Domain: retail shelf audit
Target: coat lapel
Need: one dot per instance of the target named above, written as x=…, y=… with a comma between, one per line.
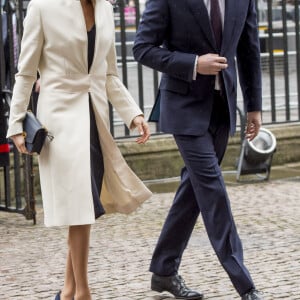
x=77, y=14
x=200, y=13
x=99, y=19
x=78, y=28
x=231, y=9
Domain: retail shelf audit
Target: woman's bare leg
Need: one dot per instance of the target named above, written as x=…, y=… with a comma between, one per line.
x=77, y=264
x=69, y=284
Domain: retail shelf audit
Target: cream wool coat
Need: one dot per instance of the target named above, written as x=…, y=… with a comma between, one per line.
x=55, y=43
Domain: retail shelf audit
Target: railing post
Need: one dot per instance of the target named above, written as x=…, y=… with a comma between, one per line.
x=121, y=4
x=297, y=31
x=29, y=209
x=286, y=60
x=139, y=66
x=271, y=59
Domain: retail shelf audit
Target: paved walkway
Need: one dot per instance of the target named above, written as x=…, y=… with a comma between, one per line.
x=267, y=216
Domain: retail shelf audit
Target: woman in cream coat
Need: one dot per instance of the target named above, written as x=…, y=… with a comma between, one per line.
x=55, y=43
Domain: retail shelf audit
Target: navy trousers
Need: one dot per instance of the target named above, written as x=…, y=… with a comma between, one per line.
x=202, y=189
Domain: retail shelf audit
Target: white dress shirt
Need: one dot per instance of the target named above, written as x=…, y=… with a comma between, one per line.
x=222, y=10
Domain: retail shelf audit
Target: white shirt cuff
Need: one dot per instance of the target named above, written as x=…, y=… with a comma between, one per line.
x=195, y=68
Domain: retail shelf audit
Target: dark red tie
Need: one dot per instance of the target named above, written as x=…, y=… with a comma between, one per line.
x=216, y=21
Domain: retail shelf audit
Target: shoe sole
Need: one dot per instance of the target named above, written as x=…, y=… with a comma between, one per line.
x=156, y=288
x=160, y=290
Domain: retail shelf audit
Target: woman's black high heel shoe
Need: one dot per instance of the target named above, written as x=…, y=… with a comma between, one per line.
x=57, y=297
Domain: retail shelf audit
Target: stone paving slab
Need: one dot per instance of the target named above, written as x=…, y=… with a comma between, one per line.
x=267, y=216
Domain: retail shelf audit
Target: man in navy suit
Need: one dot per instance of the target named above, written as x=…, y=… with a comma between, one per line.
x=197, y=45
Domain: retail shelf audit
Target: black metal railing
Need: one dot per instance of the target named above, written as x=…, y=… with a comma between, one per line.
x=280, y=56
x=16, y=171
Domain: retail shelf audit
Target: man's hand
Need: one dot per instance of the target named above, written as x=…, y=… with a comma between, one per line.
x=253, y=124
x=143, y=128
x=211, y=64
x=19, y=141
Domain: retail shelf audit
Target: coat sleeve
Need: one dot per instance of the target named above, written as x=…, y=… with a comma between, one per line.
x=117, y=93
x=31, y=48
x=248, y=61
x=152, y=34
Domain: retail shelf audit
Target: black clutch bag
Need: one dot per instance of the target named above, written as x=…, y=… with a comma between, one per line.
x=34, y=132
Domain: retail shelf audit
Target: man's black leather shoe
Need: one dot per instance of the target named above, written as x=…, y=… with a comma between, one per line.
x=174, y=285
x=253, y=295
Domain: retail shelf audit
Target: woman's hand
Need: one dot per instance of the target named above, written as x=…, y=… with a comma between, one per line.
x=143, y=128
x=19, y=142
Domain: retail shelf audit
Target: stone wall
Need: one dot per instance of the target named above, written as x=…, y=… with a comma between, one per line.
x=159, y=157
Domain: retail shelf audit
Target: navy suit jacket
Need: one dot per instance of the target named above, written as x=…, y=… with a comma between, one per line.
x=170, y=35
